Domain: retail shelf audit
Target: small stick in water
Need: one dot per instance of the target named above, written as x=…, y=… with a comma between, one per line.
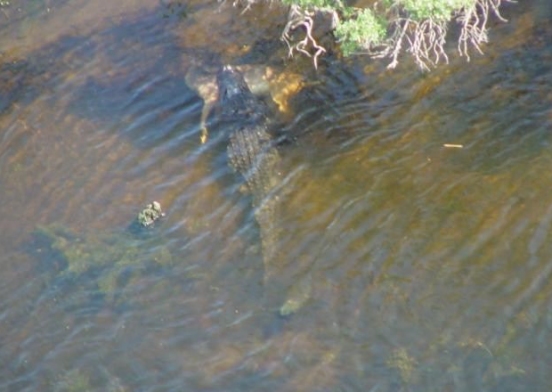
x=447, y=145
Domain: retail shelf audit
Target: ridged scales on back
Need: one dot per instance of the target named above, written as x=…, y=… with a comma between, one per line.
x=252, y=152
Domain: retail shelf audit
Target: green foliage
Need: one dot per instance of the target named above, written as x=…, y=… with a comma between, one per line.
x=361, y=32
x=416, y=9
x=387, y=28
x=438, y=10
x=362, y=28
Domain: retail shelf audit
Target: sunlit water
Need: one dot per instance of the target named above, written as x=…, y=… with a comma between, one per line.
x=430, y=265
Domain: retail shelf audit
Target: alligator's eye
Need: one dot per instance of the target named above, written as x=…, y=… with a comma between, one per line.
x=232, y=88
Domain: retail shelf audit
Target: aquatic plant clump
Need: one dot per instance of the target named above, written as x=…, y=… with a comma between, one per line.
x=388, y=28
x=149, y=215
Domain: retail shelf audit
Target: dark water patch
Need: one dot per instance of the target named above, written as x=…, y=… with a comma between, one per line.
x=20, y=12
x=12, y=83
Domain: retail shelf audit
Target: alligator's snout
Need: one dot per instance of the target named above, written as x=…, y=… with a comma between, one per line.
x=231, y=83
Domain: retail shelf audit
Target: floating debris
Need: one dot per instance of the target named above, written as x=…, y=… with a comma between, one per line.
x=149, y=215
x=448, y=145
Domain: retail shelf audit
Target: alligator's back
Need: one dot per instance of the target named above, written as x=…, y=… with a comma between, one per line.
x=252, y=153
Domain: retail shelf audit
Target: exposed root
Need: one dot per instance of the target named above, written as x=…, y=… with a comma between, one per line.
x=427, y=43
x=245, y=3
x=474, y=24
x=298, y=17
x=426, y=39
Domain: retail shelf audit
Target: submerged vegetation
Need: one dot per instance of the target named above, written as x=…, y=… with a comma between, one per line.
x=387, y=28
x=72, y=381
x=112, y=258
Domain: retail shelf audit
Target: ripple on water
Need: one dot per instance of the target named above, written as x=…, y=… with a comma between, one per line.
x=429, y=266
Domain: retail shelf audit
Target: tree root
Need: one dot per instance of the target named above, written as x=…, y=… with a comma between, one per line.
x=425, y=39
x=299, y=17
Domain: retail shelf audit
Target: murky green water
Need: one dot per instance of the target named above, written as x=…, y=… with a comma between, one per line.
x=429, y=265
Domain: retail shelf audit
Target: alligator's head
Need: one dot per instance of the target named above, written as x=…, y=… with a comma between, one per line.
x=231, y=84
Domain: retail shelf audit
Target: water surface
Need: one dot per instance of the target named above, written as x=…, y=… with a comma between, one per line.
x=430, y=265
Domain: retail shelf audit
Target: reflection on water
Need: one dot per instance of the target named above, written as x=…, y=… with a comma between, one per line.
x=429, y=266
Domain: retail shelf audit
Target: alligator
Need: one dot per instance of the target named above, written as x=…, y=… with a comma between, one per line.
x=253, y=153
